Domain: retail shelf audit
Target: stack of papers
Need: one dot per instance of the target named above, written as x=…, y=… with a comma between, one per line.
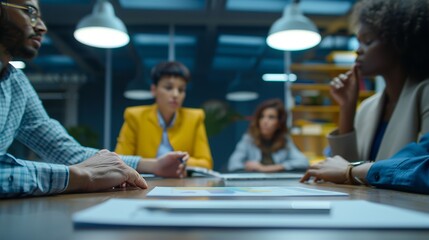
x=239, y=214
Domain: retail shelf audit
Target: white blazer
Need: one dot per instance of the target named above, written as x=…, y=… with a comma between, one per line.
x=409, y=121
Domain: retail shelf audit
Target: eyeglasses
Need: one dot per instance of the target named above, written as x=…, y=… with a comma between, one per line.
x=31, y=11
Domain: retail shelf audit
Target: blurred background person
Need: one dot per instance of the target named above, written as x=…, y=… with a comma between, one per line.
x=266, y=146
x=151, y=131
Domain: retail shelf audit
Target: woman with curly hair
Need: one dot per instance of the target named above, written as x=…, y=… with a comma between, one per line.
x=266, y=147
x=393, y=42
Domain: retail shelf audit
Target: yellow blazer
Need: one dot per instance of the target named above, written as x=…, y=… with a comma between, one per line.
x=141, y=134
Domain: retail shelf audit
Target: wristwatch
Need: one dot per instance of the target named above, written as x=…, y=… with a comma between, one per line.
x=355, y=164
x=356, y=179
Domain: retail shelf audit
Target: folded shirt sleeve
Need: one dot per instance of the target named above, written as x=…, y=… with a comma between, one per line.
x=403, y=173
x=30, y=178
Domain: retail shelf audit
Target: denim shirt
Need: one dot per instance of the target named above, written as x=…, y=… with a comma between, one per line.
x=407, y=170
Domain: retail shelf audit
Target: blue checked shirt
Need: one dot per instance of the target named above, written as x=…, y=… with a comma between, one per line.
x=23, y=117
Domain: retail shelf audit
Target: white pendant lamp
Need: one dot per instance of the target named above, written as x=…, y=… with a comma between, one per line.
x=241, y=91
x=138, y=89
x=137, y=93
x=293, y=31
x=102, y=28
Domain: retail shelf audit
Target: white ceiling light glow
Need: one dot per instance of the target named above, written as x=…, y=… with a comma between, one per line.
x=293, y=31
x=279, y=77
x=102, y=28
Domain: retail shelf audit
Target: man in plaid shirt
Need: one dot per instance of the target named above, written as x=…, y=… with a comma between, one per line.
x=66, y=166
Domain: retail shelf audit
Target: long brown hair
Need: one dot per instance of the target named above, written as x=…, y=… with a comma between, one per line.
x=278, y=139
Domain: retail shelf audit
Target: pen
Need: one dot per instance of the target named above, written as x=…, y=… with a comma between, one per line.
x=181, y=160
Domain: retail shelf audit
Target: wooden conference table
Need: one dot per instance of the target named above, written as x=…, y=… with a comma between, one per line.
x=51, y=217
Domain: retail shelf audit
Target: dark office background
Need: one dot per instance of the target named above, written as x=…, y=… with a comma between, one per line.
x=216, y=39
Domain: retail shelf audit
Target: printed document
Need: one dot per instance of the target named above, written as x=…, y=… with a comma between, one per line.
x=239, y=192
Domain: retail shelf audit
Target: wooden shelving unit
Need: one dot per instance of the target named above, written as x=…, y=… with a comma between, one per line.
x=330, y=68
x=315, y=118
x=320, y=72
x=317, y=109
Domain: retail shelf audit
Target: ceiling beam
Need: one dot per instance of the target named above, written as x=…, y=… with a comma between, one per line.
x=65, y=49
x=207, y=44
x=336, y=25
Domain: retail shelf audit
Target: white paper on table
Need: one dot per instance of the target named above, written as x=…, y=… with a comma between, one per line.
x=260, y=176
x=351, y=214
x=239, y=192
x=204, y=172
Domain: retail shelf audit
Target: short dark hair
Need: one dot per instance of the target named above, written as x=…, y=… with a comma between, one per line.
x=278, y=140
x=168, y=69
x=403, y=25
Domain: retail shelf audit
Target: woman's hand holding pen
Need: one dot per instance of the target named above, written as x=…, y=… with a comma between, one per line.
x=172, y=164
x=182, y=167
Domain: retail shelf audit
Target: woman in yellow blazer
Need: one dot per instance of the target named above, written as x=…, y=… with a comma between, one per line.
x=152, y=131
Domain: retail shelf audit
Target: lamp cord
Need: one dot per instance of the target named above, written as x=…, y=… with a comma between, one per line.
x=171, y=48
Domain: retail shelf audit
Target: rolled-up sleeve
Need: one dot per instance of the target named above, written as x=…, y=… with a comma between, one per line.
x=404, y=174
x=29, y=178
x=131, y=161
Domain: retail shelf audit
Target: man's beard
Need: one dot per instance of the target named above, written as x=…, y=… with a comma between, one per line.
x=13, y=39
